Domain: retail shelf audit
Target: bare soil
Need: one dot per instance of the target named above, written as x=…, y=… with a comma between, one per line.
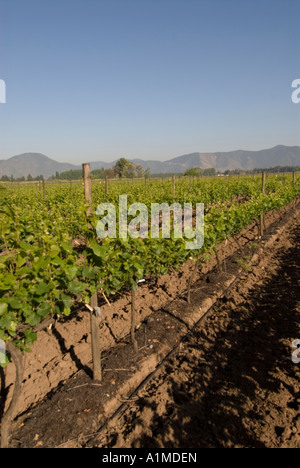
x=232, y=383
x=229, y=381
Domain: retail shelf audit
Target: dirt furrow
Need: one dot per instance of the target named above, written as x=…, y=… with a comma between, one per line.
x=233, y=382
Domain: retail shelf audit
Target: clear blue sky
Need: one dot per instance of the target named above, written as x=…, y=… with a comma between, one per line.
x=95, y=80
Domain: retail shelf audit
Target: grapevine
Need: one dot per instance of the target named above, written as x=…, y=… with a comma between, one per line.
x=50, y=259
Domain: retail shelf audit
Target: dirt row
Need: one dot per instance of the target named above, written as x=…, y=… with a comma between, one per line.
x=232, y=383
x=192, y=380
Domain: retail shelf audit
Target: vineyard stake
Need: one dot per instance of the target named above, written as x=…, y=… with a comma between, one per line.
x=263, y=190
x=174, y=185
x=94, y=299
x=134, y=342
x=96, y=351
x=87, y=187
x=190, y=281
x=106, y=185
x=219, y=263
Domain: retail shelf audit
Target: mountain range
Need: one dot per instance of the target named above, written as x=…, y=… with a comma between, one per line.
x=39, y=164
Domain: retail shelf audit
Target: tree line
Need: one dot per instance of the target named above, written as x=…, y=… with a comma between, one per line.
x=197, y=171
x=124, y=169
x=30, y=178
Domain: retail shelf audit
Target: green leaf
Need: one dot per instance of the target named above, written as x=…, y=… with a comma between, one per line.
x=30, y=337
x=89, y=273
x=33, y=320
x=3, y=308
x=14, y=303
x=67, y=311
x=98, y=250
x=42, y=288
x=77, y=287
x=27, y=247
x=67, y=300
x=67, y=247
x=44, y=309
x=54, y=251
x=41, y=263
x=71, y=272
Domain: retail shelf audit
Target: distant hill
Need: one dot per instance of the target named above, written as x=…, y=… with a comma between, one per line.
x=32, y=163
x=39, y=164
x=245, y=160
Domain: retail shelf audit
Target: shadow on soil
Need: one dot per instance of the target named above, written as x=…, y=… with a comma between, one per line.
x=215, y=406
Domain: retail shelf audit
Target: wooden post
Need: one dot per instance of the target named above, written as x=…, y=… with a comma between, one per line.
x=96, y=351
x=134, y=342
x=94, y=299
x=71, y=186
x=263, y=189
x=106, y=185
x=44, y=189
x=190, y=281
x=174, y=186
x=87, y=181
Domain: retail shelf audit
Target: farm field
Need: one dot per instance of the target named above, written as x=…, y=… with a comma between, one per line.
x=232, y=383
x=51, y=259
x=52, y=264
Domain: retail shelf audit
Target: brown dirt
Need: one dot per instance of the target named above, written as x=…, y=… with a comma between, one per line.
x=231, y=383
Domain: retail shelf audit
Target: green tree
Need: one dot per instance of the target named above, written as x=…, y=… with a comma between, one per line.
x=120, y=167
x=193, y=171
x=124, y=169
x=139, y=171
x=210, y=172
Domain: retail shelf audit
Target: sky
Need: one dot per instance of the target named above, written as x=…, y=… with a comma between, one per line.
x=96, y=80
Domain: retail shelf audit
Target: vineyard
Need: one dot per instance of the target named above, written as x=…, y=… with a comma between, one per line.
x=53, y=264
